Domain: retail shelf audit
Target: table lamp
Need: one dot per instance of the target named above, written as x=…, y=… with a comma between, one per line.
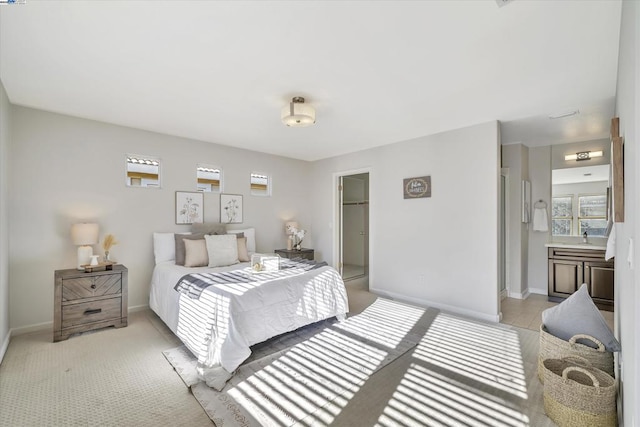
x=83, y=235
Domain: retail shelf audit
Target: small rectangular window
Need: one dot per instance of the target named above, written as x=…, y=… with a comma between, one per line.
x=260, y=184
x=208, y=178
x=592, y=210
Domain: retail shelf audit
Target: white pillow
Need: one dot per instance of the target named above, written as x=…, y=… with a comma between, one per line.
x=222, y=249
x=250, y=234
x=164, y=247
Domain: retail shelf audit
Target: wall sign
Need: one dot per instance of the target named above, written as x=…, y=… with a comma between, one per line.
x=415, y=188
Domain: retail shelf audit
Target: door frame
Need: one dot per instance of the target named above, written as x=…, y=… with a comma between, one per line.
x=337, y=229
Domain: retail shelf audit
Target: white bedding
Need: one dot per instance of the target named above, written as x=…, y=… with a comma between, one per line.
x=226, y=320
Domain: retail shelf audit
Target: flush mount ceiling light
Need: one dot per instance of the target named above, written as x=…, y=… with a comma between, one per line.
x=298, y=114
x=583, y=155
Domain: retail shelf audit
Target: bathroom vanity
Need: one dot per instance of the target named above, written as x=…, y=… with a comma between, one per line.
x=571, y=265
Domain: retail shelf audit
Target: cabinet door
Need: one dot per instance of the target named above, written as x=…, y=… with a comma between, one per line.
x=565, y=277
x=599, y=278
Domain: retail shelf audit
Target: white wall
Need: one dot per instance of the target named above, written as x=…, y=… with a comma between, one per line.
x=440, y=251
x=66, y=169
x=540, y=176
x=5, y=119
x=627, y=281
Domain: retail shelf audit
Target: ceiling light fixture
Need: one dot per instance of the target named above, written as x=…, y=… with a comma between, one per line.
x=583, y=155
x=565, y=114
x=298, y=114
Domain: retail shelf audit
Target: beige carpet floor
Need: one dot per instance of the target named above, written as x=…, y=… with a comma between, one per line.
x=461, y=372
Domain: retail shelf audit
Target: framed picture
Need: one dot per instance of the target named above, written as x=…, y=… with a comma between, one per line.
x=416, y=188
x=230, y=208
x=526, y=201
x=189, y=207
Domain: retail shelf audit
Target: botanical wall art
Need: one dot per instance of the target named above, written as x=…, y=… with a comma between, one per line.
x=189, y=207
x=230, y=208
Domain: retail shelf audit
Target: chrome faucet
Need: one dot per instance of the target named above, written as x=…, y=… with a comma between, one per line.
x=584, y=237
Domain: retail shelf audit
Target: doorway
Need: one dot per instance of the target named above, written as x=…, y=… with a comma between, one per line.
x=353, y=190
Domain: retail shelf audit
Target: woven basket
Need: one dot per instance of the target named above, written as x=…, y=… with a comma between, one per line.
x=552, y=347
x=577, y=395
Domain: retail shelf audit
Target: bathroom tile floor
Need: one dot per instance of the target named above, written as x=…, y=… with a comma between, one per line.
x=527, y=313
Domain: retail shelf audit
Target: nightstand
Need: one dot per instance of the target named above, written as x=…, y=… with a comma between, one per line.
x=86, y=301
x=302, y=253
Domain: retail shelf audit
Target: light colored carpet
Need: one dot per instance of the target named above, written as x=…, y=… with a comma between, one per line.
x=307, y=374
x=112, y=377
x=461, y=373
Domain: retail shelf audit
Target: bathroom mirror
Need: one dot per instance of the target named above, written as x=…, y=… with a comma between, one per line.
x=143, y=171
x=260, y=184
x=208, y=178
x=580, y=201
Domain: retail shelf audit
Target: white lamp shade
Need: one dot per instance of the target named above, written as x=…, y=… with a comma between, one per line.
x=290, y=224
x=84, y=234
x=298, y=114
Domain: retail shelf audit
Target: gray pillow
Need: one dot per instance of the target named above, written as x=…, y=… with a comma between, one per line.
x=180, y=250
x=579, y=315
x=209, y=228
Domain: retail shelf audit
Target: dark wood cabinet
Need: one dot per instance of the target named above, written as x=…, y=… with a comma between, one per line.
x=290, y=253
x=570, y=268
x=84, y=301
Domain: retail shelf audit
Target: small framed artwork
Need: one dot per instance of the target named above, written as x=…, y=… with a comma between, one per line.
x=189, y=207
x=230, y=208
x=416, y=188
x=526, y=201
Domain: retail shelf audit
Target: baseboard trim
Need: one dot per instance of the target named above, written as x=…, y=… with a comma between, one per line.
x=5, y=345
x=49, y=325
x=537, y=291
x=519, y=295
x=444, y=307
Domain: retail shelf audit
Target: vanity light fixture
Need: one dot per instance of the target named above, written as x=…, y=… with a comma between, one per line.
x=583, y=155
x=298, y=114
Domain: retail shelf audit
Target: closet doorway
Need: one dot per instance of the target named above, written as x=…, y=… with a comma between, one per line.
x=353, y=249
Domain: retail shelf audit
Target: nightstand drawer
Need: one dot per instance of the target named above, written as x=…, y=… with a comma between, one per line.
x=89, y=312
x=94, y=286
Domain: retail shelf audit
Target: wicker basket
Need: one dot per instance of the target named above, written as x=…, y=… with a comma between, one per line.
x=552, y=347
x=577, y=395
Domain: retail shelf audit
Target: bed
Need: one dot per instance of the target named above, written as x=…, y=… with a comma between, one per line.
x=221, y=323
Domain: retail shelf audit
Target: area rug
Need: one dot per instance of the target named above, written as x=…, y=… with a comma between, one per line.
x=308, y=375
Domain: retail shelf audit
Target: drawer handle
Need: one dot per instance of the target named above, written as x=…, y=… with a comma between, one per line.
x=93, y=286
x=94, y=311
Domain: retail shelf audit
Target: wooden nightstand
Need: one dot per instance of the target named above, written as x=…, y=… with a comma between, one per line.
x=86, y=301
x=302, y=253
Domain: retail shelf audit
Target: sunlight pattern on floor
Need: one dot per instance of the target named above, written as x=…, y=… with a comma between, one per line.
x=315, y=379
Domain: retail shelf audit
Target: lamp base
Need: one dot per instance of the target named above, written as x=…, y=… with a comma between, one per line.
x=84, y=256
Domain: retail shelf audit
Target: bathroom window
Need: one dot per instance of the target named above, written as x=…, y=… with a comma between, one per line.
x=592, y=211
x=561, y=215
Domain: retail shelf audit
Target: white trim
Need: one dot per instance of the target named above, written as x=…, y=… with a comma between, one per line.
x=537, y=291
x=39, y=327
x=5, y=346
x=519, y=295
x=448, y=308
x=336, y=216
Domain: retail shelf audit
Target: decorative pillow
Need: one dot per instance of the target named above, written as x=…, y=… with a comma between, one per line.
x=222, y=249
x=250, y=234
x=179, y=243
x=195, y=253
x=209, y=228
x=579, y=315
x=164, y=247
x=243, y=255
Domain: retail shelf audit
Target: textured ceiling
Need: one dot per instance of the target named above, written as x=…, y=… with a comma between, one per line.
x=377, y=72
